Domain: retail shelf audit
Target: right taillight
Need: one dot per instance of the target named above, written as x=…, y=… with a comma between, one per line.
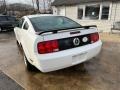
x=48, y=47
x=94, y=37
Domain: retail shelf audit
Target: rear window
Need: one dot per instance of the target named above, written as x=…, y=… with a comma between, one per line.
x=48, y=23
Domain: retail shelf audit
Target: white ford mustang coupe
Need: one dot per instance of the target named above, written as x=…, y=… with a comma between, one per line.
x=52, y=42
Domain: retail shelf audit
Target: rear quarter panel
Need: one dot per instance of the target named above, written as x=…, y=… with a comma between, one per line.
x=29, y=43
x=17, y=33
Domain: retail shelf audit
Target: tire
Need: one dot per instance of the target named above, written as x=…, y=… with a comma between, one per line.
x=28, y=65
x=17, y=42
x=19, y=46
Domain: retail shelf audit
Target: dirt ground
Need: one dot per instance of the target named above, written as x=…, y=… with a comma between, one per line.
x=99, y=73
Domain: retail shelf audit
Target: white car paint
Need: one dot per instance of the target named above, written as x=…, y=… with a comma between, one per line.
x=28, y=39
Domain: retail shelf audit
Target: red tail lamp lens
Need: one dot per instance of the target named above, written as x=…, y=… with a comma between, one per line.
x=48, y=47
x=94, y=37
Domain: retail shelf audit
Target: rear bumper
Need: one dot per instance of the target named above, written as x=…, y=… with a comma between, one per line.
x=67, y=58
x=3, y=28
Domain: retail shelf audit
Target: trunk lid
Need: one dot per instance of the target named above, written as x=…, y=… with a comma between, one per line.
x=63, y=40
x=67, y=34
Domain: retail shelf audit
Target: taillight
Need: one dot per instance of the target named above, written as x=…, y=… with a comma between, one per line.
x=48, y=47
x=94, y=37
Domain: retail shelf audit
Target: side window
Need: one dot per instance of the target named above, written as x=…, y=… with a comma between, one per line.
x=20, y=23
x=92, y=12
x=105, y=12
x=26, y=26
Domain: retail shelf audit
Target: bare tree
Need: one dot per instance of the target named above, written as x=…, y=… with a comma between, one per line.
x=45, y=3
x=49, y=4
x=5, y=7
x=37, y=4
x=33, y=5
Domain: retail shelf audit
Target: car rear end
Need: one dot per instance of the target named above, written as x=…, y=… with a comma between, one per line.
x=61, y=48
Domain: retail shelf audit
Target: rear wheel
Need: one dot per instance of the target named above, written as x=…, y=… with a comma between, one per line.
x=19, y=46
x=17, y=42
x=27, y=64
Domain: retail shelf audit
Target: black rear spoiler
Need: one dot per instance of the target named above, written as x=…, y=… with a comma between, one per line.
x=55, y=31
x=90, y=26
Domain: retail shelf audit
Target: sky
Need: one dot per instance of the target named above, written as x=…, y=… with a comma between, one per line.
x=25, y=2
x=22, y=1
x=19, y=1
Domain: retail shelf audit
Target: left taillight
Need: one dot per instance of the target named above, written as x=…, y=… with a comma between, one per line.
x=48, y=47
x=94, y=37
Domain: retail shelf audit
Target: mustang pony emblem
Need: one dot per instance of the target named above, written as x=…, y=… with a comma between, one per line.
x=76, y=41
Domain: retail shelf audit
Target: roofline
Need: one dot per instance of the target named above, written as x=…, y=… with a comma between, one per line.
x=39, y=15
x=82, y=2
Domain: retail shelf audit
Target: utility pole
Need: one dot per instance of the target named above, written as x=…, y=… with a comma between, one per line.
x=37, y=4
x=5, y=7
x=33, y=5
x=44, y=6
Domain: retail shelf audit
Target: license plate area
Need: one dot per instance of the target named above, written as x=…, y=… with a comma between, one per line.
x=79, y=58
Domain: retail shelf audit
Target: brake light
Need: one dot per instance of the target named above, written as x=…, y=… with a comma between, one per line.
x=48, y=47
x=94, y=37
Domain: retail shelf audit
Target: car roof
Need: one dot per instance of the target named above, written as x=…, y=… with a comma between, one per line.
x=39, y=15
